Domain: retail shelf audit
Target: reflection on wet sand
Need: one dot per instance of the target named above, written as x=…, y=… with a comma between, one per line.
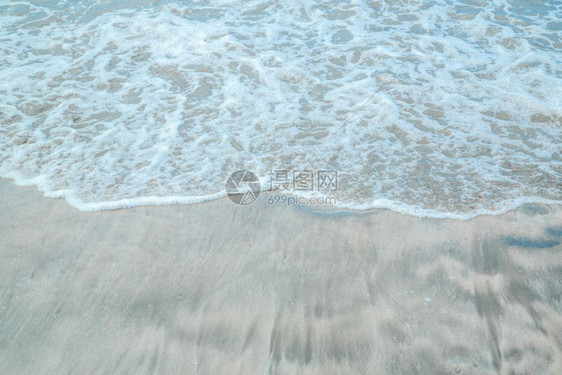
x=216, y=288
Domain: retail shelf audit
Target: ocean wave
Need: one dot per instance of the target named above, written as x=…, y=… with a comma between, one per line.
x=441, y=109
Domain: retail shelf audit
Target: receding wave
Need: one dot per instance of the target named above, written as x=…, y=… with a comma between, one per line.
x=443, y=109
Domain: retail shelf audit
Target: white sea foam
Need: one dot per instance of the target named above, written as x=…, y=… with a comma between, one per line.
x=443, y=109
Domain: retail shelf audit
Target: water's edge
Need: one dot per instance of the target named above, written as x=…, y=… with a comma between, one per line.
x=332, y=210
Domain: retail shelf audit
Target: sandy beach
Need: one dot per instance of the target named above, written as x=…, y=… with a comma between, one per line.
x=422, y=141
x=216, y=288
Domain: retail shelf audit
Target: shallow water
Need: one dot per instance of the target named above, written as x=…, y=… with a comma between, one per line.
x=443, y=109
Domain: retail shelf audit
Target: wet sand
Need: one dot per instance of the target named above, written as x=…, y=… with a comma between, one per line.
x=215, y=288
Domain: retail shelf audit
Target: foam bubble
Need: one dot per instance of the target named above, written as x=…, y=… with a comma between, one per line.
x=436, y=109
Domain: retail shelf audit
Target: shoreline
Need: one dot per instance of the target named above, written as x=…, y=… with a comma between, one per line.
x=383, y=204
x=213, y=287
